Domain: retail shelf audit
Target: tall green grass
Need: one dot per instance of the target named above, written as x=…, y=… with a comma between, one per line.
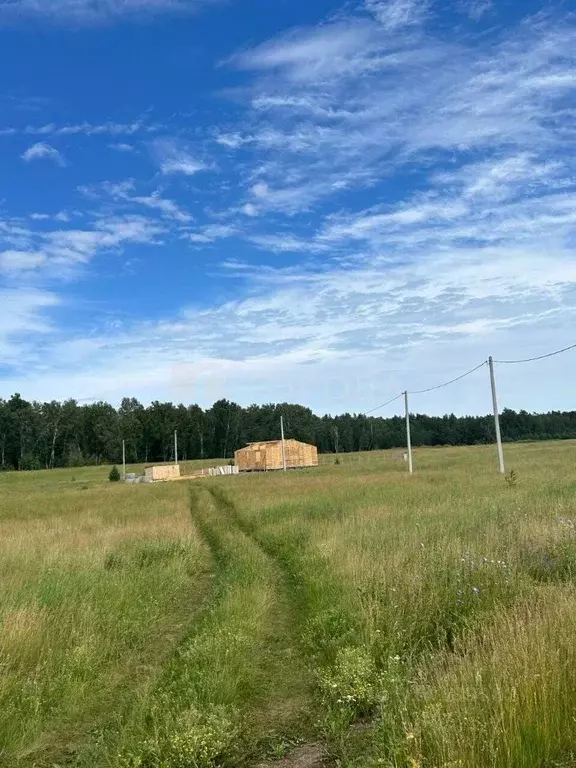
x=97, y=585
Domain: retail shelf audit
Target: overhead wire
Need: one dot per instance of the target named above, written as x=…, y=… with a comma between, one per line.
x=429, y=389
x=446, y=383
x=540, y=357
x=397, y=397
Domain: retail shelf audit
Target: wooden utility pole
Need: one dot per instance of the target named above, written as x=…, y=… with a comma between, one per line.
x=408, y=436
x=283, y=443
x=501, y=465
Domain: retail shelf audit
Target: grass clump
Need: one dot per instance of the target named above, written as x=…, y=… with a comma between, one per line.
x=192, y=740
x=353, y=683
x=145, y=554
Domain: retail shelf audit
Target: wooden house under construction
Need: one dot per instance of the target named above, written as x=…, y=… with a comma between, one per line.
x=267, y=456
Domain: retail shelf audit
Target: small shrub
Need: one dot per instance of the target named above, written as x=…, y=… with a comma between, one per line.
x=114, y=475
x=511, y=479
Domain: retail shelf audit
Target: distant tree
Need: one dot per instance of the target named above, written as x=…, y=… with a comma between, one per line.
x=114, y=475
x=131, y=427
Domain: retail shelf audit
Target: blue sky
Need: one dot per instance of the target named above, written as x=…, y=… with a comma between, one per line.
x=281, y=200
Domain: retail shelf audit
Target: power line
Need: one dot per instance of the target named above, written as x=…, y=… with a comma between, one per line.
x=446, y=383
x=430, y=389
x=384, y=404
x=532, y=359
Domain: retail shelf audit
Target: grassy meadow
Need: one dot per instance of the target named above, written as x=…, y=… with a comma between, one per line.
x=408, y=622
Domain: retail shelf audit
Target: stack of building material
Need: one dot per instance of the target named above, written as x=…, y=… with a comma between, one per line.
x=163, y=472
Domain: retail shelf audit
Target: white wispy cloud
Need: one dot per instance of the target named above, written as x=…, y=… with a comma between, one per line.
x=122, y=147
x=523, y=174
x=108, y=128
x=174, y=158
x=350, y=102
x=249, y=209
x=211, y=233
x=232, y=140
x=124, y=192
x=166, y=207
x=61, y=252
x=286, y=199
x=288, y=243
x=182, y=163
x=89, y=129
x=20, y=261
x=318, y=54
x=86, y=12
x=23, y=317
x=475, y=8
x=67, y=248
x=511, y=201
x=43, y=151
x=395, y=14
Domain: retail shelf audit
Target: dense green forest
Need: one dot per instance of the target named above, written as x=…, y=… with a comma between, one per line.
x=43, y=435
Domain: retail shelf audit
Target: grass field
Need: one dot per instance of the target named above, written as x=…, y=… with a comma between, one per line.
x=423, y=622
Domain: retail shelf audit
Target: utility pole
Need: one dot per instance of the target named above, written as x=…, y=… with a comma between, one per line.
x=501, y=465
x=283, y=443
x=124, y=460
x=408, y=437
x=175, y=446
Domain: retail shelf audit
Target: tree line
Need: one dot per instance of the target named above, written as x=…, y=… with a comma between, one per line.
x=36, y=435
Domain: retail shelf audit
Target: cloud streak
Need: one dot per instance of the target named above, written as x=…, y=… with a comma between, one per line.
x=89, y=12
x=397, y=14
x=174, y=158
x=60, y=253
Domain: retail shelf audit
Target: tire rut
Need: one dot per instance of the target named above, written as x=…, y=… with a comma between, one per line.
x=242, y=563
